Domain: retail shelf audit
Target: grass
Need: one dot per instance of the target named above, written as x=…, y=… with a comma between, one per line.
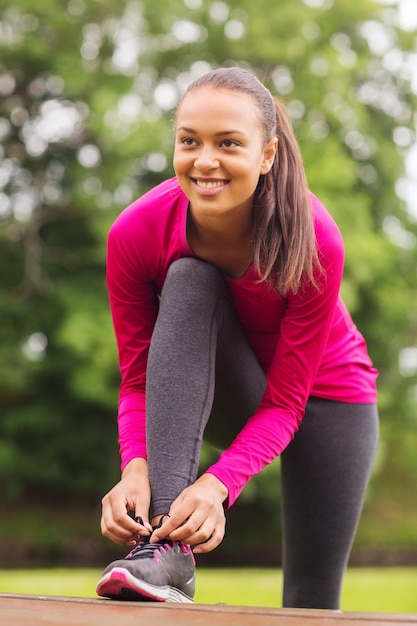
x=388, y=590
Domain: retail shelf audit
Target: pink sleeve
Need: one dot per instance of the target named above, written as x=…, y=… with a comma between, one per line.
x=304, y=332
x=134, y=308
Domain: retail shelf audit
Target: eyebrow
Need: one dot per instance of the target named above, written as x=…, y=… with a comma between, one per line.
x=220, y=133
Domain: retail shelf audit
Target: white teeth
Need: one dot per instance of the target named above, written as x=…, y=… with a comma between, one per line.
x=210, y=184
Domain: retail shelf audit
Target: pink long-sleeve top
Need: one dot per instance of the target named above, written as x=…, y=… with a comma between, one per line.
x=306, y=342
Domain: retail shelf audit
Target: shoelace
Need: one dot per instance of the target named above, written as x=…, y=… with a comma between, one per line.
x=146, y=550
x=139, y=519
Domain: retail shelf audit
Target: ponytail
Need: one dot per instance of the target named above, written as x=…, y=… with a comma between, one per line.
x=285, y=242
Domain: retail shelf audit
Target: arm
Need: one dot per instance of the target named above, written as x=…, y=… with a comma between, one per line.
x=134, y=308
x=133, y=305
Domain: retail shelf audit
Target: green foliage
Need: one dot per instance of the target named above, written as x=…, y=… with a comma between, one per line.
x=87, y=92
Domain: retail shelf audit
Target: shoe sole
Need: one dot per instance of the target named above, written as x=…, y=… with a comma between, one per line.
x=120, y=584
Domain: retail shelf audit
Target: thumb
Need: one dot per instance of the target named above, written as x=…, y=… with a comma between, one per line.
x=143, y=522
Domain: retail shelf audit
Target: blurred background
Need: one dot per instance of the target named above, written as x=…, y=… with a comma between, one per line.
x=87, y=92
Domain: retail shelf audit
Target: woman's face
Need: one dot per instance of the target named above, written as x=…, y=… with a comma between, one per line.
x=220, y=151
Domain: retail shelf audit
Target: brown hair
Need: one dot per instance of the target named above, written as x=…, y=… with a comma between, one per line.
x=284, y=239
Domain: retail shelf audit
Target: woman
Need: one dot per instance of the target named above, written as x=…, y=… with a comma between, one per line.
x=224, y=286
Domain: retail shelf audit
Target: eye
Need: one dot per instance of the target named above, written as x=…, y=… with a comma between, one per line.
x=229, y=143
x=188, y=141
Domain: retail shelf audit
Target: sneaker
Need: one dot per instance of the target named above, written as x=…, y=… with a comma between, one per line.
x=157, y=572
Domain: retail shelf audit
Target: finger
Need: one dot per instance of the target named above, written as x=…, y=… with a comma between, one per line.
x=119, y=537
x=122, y=536
x=196, y=528
x=169, y=524
x=208, y=529
x=211, y=543
x=123, y=525
x=175, y=523
x=120, y=527
x=146, y=527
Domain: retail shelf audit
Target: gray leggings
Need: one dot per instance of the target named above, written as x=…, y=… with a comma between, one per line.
x=203, y=379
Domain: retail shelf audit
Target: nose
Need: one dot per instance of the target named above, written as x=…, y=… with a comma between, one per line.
x=206, y=159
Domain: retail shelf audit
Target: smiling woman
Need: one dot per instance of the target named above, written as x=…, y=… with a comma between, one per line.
x=230, y=326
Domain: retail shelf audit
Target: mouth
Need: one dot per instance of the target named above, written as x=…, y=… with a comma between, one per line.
x=209, y=184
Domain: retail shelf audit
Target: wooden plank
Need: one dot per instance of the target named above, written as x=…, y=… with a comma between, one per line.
x=24, y=610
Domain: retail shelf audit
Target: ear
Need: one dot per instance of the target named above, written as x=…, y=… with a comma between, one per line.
x=269, y=153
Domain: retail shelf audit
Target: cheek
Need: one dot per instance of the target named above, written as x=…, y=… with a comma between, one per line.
x=177, y=162
x=182, y=155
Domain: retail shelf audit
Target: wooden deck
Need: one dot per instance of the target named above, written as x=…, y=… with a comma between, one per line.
x=31, y=610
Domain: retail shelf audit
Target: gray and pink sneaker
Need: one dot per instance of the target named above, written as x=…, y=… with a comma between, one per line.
x=157, y=572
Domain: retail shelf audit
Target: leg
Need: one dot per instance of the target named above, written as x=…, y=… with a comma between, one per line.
x=325, y=472
x=199, y=365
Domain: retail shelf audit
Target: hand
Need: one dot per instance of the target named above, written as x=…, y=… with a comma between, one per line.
x=132, y=493
x=197, y=516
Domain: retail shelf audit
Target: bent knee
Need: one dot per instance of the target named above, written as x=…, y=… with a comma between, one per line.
x=194, y=276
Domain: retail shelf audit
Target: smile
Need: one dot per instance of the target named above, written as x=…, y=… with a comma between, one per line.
x=210, y=184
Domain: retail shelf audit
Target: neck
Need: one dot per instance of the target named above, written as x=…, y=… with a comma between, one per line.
x=225, y=230
x=228, y=247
